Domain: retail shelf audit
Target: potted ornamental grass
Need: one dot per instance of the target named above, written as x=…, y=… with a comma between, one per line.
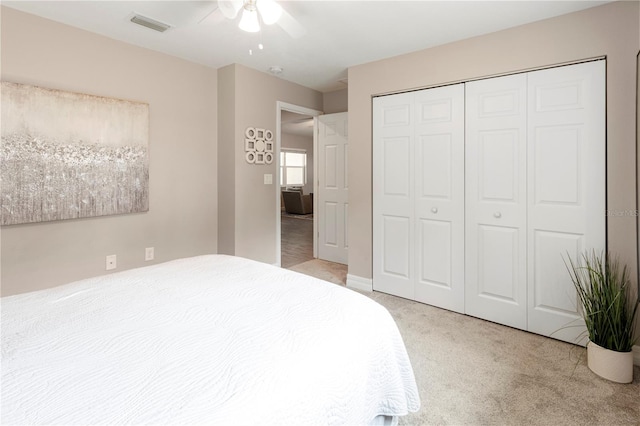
x=604, y=292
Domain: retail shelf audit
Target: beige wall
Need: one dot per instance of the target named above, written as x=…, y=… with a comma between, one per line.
x=336, y=101
x=306, y=143
x=182, y=217
x=226, y=167
x=611, y=30
x=254, y=210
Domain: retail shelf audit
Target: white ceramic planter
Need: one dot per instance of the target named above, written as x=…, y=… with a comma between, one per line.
x=610, y=365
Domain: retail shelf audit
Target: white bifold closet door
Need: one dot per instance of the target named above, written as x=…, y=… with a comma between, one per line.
x=566, y=189
x=418, y=186
x=393, y=189
x=482, y=190
x=496, y=200
x=535, y=194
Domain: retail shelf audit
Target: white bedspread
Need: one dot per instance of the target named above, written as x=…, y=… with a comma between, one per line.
x=211, y=339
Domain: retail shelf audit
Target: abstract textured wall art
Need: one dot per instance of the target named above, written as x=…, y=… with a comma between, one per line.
x=68, y=155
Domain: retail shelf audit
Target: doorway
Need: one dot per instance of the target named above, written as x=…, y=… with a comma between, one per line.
x=295, y=159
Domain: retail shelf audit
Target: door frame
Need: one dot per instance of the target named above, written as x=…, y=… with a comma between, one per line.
x=285, y=106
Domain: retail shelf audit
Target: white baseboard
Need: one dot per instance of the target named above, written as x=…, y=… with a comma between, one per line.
x=359, y=283
x=366, y=284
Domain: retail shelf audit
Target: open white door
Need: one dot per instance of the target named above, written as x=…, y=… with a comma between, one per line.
x=332, y=196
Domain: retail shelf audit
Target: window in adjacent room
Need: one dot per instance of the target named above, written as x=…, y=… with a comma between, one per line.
x=293, y=167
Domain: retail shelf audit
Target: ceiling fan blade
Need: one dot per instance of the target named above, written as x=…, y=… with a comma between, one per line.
x=230, y=8
x=270, y=11
x=290, y=25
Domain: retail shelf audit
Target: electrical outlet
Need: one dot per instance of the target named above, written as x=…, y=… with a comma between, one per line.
x=148, y=254
x=111, y=262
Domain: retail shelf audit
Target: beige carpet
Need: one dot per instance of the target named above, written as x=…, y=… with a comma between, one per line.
x=474, y=372
x=328, y=271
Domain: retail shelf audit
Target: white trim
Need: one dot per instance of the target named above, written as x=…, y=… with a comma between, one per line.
x=359, y=283
x=501, y=74
x=366, y=284
x=284, y=106
x=315, y=186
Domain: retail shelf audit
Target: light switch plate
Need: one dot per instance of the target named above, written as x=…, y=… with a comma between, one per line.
x=268, y=179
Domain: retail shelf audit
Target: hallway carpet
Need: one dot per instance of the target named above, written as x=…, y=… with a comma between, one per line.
x=296, y=236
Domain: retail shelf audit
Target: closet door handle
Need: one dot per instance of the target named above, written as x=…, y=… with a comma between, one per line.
x=434, y=210
x=497, y=215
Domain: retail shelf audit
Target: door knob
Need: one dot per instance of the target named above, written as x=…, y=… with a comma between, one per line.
x=497, y=215
x=434, y=210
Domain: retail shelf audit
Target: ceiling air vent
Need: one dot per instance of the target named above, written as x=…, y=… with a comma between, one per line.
x=150, y=23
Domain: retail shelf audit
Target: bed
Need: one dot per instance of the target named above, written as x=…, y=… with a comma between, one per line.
x=210, y=339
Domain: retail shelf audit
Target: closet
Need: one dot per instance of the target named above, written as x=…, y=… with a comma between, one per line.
x=482, y=189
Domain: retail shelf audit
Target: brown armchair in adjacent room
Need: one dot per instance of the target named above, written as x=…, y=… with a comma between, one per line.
x=297, y=203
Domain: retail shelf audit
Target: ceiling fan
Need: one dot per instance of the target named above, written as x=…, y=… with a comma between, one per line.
x=254, y=12
x=269, y=11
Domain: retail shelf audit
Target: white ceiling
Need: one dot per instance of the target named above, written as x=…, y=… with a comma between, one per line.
x=338, y=34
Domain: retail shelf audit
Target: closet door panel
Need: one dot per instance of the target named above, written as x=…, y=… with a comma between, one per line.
x=436, y=167
x=439, y=200
x=393, y=193
x=396, y=238
x=551, y=294
x=497, y=174
x=498, y=263
x=566, y=189
x=495, y=182
x=435, y=254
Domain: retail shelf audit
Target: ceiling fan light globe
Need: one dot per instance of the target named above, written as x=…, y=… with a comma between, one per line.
x=270, y=11
x=230, y=8
x=249, y=21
